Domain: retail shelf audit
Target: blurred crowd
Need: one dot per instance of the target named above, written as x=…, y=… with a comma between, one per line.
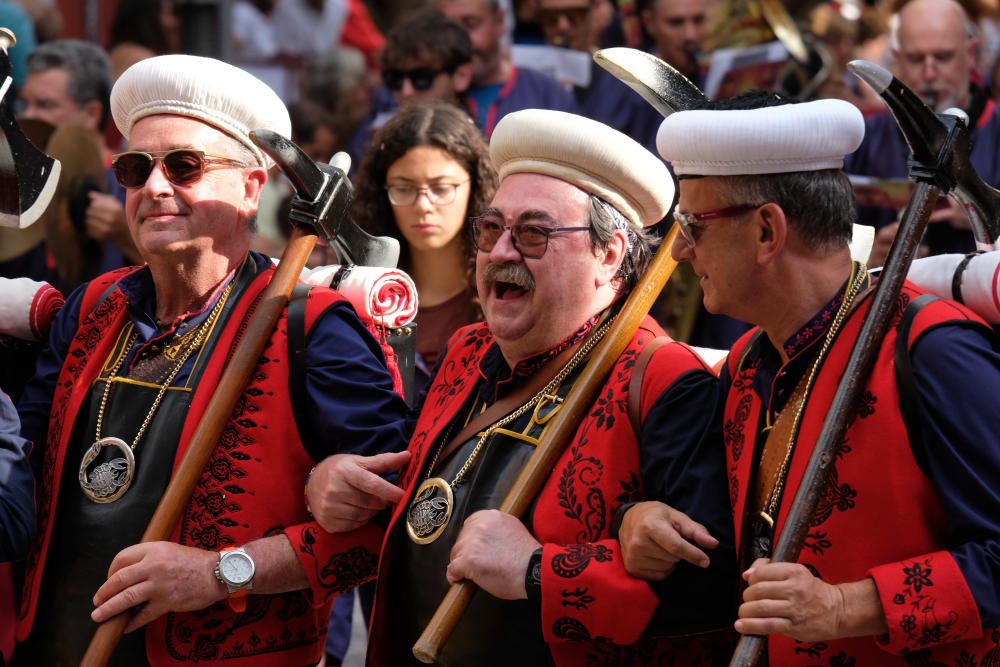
x=413, y=90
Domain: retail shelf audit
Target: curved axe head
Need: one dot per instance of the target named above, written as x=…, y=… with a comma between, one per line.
x=941, y=149
x=322, y=201
x=657, y=82
x=28, y=177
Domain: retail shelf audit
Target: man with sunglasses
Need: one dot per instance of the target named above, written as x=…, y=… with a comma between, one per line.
x=901, y=558
x=133, y=361
x=562, y=244
x=427, y=58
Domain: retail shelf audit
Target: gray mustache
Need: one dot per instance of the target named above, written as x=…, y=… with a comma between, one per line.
x=515, y=274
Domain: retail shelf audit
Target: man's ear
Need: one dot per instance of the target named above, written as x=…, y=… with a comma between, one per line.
x=461, y=79
x=771, y=232
x=612, y=258
x=93, y=110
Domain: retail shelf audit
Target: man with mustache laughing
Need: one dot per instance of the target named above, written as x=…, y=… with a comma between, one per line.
x=562, y=244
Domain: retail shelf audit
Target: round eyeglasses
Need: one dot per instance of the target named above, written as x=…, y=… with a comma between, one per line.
x=691, y=232
x=530, y=240
x=181, y=166
x=439, y=194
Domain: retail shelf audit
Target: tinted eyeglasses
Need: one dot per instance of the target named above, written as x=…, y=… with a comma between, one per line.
x=530, y=240
x=420, y=78
x=182, y=166
x=549, y=18
x=691, y=231
x=439, y=194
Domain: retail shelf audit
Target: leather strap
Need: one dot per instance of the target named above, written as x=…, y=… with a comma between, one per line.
x=779, y=441
x=956, y=279
x=512, y=401
x=634, y=399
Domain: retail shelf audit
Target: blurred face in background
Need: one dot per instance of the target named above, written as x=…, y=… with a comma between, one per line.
x=424, y=80
x=934, y=52
x=429, y=194
x=45, y=96
x=678, y=30
x=567, y=23
x=485, y=26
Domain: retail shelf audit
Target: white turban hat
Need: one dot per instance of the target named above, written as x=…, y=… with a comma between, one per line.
x=209, y=90
x=787, y=138
x=590, y=155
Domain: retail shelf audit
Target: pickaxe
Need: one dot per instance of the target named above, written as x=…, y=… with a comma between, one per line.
x=322, y=201
x=28, y=177
x=940, y=141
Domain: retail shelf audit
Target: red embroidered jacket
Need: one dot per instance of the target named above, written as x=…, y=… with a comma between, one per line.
x=880, y=516
x=601, y=465
x=251, y=487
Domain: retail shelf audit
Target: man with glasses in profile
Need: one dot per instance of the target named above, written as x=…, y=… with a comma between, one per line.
x=133, y=359
x=562, y=244
x=900, y=564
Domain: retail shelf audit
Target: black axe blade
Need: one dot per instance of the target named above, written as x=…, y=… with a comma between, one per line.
x=28, y=177
x=322, y=201
x=666, y=89
x=941, y=140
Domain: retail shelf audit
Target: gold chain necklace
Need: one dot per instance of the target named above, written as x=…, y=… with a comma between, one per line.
x=432, y=505
x=110, y=480
x=782, y=472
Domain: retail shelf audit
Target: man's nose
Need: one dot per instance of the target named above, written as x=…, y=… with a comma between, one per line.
x=929, y=70
x=407, y=90
x=505, y=250
x=680, y=250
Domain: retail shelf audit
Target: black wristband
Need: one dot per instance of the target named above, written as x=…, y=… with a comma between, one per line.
x=616, y=523
x=533, y=579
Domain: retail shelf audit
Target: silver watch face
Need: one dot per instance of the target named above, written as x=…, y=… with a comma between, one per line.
x=236, y=568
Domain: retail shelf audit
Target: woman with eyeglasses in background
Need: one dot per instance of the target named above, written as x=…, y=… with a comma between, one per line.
x=426, y=173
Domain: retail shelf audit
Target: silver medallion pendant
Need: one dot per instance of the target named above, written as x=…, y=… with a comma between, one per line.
x=430, y=511
x=107, y=482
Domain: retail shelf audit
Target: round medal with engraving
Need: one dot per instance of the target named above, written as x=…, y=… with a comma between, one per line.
x=429, y=511
x=107, y=481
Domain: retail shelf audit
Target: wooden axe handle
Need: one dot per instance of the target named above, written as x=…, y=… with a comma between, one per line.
x=538, y=468
x=231, y=386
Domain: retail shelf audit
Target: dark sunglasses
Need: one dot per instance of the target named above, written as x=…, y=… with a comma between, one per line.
x=420, y=78
x=182, y=166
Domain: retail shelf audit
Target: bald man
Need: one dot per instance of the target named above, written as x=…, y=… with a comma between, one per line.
x=934, y=49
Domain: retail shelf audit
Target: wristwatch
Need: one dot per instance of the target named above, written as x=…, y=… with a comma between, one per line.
x=235, y=569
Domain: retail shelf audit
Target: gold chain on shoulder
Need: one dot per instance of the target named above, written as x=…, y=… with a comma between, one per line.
x=860, y=274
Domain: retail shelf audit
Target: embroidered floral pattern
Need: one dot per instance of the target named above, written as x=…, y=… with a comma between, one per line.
x=532, y=365
x=591, y=511
x=922, y=625
x=576, y=557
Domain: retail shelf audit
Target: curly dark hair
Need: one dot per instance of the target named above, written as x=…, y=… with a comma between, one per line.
x=439, y=125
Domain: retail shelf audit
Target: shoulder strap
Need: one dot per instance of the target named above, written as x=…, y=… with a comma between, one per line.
x=296, y=323
x=634, y=399
x=909, y=402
